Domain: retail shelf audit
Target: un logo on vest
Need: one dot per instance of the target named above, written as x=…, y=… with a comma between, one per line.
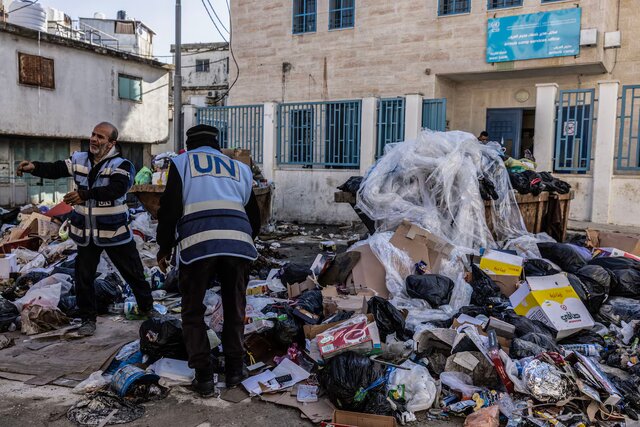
x=205, y=164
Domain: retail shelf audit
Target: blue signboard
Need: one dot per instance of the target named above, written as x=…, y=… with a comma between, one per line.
x=536, y=35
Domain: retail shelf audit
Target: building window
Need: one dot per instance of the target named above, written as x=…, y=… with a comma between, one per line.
x=341, y=14
x=499, y=4
x=36, y=70
x=452, y=7
x=304, y=16
x=202, y=65
x=130, y=88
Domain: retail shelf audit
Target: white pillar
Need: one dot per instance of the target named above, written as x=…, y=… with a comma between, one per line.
x=188, y=119
x=545, y=125
x=604, y=150
x=412, y=115
x=368, y=134
x=270, y=140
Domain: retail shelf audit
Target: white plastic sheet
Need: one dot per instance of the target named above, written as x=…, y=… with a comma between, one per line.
x=420, y=387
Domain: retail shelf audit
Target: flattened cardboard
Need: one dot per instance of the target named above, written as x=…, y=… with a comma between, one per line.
x=421, y=245
x=358, y=419
x=355, y=303
x=369, y=272
x=626, y=242
x=294, y=291
x=317, y=412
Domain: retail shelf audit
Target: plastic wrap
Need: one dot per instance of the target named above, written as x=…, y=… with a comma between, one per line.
x=432, y=181
x=420, y=388
x=460, y=382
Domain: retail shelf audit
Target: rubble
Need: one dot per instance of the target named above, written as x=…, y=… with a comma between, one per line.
x=447, y=310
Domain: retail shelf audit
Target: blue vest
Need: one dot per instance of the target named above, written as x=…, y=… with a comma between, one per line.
x=106, y=223
x=215, y=190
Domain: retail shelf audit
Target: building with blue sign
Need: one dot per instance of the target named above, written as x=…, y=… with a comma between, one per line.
x=533, y=73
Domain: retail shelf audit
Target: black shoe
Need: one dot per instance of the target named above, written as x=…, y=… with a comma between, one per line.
x=206, y=388
x=235, y=372
x=233, y=379
x=87, y=328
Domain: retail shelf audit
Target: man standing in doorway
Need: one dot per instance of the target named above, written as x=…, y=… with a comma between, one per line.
x=100, y=218
x=209, y=212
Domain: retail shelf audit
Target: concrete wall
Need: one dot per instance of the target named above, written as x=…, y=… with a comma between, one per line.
x=306, y=195
x=86, y=92
x=217, y=74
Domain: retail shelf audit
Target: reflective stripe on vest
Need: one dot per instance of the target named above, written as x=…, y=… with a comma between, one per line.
x=104, y=225
x=215, y=190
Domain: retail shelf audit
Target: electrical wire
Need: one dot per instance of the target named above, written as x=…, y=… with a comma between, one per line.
x=213, y=21
x=26, y=5
x=216, y=15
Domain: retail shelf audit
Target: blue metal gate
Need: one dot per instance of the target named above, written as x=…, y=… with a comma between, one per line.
x=434, y=114
x=629, y=135
x=239, y=126
x=390, y=123
x=574, y=130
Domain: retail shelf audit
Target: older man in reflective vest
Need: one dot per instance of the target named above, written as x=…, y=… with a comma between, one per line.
x=209, y=212
x=100, y=218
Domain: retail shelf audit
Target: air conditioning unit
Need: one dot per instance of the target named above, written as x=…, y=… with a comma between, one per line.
x=612, y=39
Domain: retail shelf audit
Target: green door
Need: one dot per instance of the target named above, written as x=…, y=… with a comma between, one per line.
x=42, y=190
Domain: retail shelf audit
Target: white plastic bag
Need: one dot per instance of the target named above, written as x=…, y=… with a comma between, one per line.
x=173, y=371
x=459, y=381
x=46, y=292
x=95, y=382
x=420, y=387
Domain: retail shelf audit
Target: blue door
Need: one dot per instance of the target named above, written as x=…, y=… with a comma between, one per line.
x=504, y=125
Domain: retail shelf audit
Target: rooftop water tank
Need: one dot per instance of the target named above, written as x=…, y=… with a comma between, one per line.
x=99, y=15
x=28, y=14
x=122, y=15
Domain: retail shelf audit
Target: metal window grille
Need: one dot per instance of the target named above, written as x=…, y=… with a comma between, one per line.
x=452, y=7
x=319, y=134
x=574, y=130
x=341, y=14
x=390, y=123
x=434, y=114
x=499, y=4
x=629, y=134
x=240, y=126
x=304, y=16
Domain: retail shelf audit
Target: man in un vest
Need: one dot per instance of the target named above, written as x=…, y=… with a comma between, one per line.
x=209, y=212
x=99, y=219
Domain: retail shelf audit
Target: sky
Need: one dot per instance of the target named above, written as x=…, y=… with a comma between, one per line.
x=159, y=15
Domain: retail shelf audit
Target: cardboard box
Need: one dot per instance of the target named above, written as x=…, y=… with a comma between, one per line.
x=464, y=319
x=243, y=156
x=355, y=303
x=614, y=252
x=357, y=419
x=8, y=265
x=311, y=331
x=626, y=242
x=501, y=263
x=356, y=334
x=368, y=273
x=296, y=289
x=507, y=284
x=552, y=300
x=40, y=225
x=421, y=245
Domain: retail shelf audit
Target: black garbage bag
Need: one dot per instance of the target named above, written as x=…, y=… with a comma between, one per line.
x=377, y=403
x=68, y=306
x=592, y=283
x=171, y=284
x=285, y=332
x=485, y=291
x=535, y=182
x=524, y=325
x=519, y=183
x=626, y=275
x=615, y=263
x=108, y=291
x=347, y=373
x=388, y=319
x=162, y=337
x=618, y=309
x=542, y=340
x=294, y=273
x=522, y=348
x=9, y=216
x=8, y=314
x=339, y=317
x=553, y=184
x=352, y=185
x=433, y=288
x=22, y=285
x=583, y=337
x=487, y=189
x=565, y=255
x=311, y=300
x=538, y=267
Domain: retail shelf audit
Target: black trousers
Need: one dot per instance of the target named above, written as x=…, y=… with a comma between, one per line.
x=195, y=278
x=126, y=259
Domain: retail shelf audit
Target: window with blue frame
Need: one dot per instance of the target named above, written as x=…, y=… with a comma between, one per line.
x=499, y=4
x=304, y=16
x=301, y=134
x=341, y=14
x=452, y=7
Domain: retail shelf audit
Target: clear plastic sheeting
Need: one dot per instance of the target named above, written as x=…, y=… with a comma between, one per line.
x=432, y=181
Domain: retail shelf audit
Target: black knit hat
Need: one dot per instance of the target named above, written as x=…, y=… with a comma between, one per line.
x=200, y=135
